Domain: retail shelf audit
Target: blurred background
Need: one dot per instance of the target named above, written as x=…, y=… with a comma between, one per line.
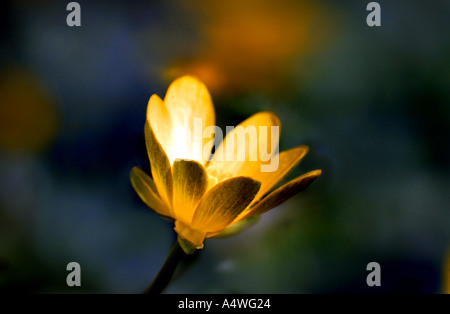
x=371, y=102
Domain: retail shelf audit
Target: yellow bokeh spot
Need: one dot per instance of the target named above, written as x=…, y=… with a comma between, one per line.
x=28, y=120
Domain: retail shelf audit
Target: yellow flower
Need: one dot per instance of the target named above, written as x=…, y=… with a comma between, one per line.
x=207, y=196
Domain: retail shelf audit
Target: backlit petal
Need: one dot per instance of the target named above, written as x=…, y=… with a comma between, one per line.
x=223, y=203
x=159, y=118
x=191, y=110
x=287, y=161
x=146, y=189
x=160, y=167
x=189, y=184
x=246, y=140
x=282, y=194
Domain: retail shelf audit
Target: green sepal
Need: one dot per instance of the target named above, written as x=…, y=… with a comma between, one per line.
x=238, y=227
x=187, y=246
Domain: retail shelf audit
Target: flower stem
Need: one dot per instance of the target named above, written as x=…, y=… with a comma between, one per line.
x=166, y=272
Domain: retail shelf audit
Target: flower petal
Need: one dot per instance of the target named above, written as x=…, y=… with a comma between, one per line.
x=287, y=161
x=159, y=118
x=189, y=184
x=282, y=194
x=227, y=162
x=189, y=102
x=160, y=166
x=223, y=203
x=146, y=189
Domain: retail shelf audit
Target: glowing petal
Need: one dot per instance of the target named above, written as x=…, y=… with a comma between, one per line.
x=188, y=101
x=146, y=189
x=223, y=165
x=159, y=119
x=189, y=184
x=287, y=161
x=282, y=194
x=223, y=203
x=160, y=166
